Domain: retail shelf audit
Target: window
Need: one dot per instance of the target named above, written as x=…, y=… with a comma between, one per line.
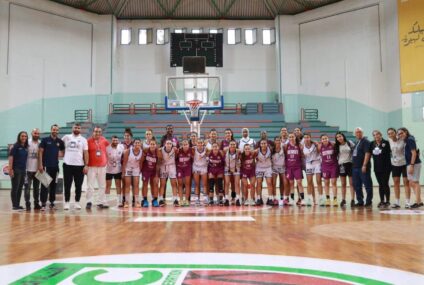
x=125, y=36
x=268, y=36
x=196, y=31
x=250, y=36
x=145, y=36
x=233, y=36
x=162, y=36
x=179, y=30
x=215, y=31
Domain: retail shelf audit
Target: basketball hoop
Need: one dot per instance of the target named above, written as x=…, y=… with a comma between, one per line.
x=194, y=106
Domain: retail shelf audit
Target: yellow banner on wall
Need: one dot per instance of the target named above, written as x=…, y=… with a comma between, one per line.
x=411, y=44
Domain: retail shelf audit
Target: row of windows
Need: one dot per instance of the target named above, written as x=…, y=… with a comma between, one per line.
x=145, y=35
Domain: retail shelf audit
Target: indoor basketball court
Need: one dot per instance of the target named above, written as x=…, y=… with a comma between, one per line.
x=211, y=142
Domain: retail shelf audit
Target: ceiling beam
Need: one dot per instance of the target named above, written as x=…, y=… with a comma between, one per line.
x=112, y=11
x=216, y=8
x=270, y=10
x=119, y=10
x=163, y=8
x=172, y=12
x=228, y=8
x=88, y=3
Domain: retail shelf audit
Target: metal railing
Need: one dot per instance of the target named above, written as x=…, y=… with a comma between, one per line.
x=83, y=115
x=309, y=114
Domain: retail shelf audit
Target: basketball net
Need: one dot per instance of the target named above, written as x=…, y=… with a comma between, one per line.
x=194, y=107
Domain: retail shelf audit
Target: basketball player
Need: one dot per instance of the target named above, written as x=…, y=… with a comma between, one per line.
x=148, y=138
x=246, y=140
x=264, y=170
x=232, y=170
x=294, y=154
x=248, y=174
x=114, y=154
x=329, y=168
x=216, y=175
x=213, y=138
x=344, y=149
x=278, y=171
x=312, y=168
x=127, y=143
x=131, y=171
x=284, y=135
x=200, y=169
x=398, y=163
x=150, y=172
x=168, y=171
x=184, y=169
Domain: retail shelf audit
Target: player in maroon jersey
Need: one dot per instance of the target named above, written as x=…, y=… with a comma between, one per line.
x=150, y=173
x=329, y=168
x=184, y=165
x=248, y=174
x=294, y=153
x=216, y=175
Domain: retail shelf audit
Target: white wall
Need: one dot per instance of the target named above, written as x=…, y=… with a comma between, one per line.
x=50, y=52
x=345, y=50
x=143, y=68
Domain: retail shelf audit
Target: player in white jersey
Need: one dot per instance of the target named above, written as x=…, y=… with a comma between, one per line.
x=284, y=135
x=232, y=169
x=168, y=170
x=264, y=170
x=246, y=140
x=114, y=153
x=131, y=172
x=213, y=138
x=200, y=168
x=398, y=162
x=278, y=170
x=312, y=168
x=147, y=139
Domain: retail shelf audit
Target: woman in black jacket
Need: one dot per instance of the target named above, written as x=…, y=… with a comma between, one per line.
x=380, y=150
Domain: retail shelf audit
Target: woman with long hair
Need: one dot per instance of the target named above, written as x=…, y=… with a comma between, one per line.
x=312, y=168
x=329, y=168
x=294, y=156
x=344, y=150
x=18, y=156
x=413, y=162
x=398, y=162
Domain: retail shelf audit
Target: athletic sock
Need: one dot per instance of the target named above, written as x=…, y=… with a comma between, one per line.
x=292, y=196
x=327, y=196
x=397, y=202
x=302, y=196
x=144, y=198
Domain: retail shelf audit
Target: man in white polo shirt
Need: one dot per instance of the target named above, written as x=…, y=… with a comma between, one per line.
x=75, y=164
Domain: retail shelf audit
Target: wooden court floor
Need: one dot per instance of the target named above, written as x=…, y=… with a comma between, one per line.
x=393, y=239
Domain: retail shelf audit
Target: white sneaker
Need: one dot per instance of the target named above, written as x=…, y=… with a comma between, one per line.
x=303, y=202
x=77, y=206
x=291, y=202
x=281, y=203
x=322, y=201
x=247, y=202
x=407, y=206
x=66, y=206
x=309, y=201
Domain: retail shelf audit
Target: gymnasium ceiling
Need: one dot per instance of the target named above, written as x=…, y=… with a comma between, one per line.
x=196, y=9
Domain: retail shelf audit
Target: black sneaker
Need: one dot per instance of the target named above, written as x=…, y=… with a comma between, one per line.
x=233, y=194
x=352, y=203
x=420, y=204
x=415, y=206
x=28, y=207
x=238, y=204
x=380, y=205
x=227, y=203
x=368, y=205
x=100, y=206
x=395, y=206
x=343, y=203
x=261, y=201
x=88, y=206
x=52, y=206
x=16, y=209
x=21, y=208
x=161, y=203
x=269, y=202
x=258, y=202
x=105, y=206
x=387, y=205
x=37, y=207
x=221, y=202
x=176, y=204
x=211, y=203
x=359, y=205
